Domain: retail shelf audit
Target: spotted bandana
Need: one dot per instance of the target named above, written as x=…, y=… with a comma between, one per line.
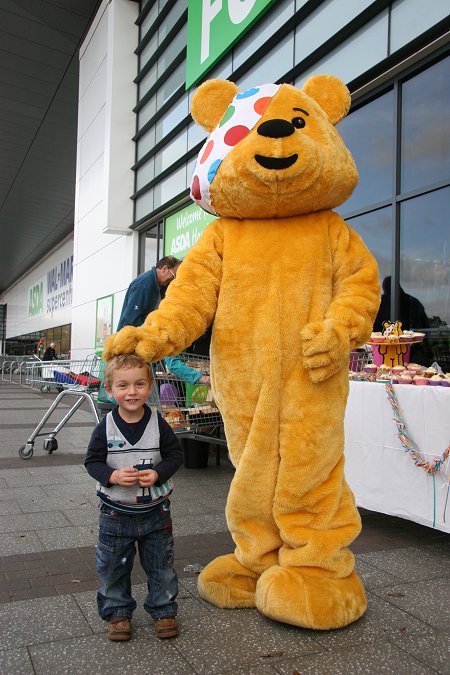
x=239, y=119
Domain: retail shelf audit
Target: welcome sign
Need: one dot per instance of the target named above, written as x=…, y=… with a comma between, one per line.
x=214, y=26
x=184, y=228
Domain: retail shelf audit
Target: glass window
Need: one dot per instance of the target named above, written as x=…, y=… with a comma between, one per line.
x=190, y=171
x=147, y=112
x=369, y=135
x=169, y=188
x=425, y=252
x=356, y=55
x=144, y=205
x=410, y=18
x=170, y=85
x=65, y=339
x=173, y=49
x=376, y=230
x=273, y=66
x=169, y=22
x=425, y=154
x=325, y=22
x=263, y=32
x=171, y=152
x=147, y=82
x=145, y=173
x=148, y=51
x=149, y=20
x=196, y=134
x=149, y=240
x=171, y=118
x=146, y=143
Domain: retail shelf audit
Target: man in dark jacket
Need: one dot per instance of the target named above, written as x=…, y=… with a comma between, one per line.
x=49, y=354
x=144, y=292
x=411, y=312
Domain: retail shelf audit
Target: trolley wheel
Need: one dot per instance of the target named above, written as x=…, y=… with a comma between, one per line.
x=45, y=389
x=50, y=445
x=26, y=451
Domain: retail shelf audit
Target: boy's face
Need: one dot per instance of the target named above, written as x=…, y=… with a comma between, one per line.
x=130, y=387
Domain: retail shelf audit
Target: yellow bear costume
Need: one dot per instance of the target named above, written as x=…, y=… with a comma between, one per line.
x=291, y=289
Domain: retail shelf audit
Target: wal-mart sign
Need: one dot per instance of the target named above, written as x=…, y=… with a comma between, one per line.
x=214, y=26
x=184, y=228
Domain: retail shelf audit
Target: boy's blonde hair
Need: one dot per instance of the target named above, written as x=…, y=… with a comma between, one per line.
x=124, y=361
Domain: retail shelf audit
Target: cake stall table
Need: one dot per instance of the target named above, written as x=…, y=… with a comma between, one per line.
x=382, y=475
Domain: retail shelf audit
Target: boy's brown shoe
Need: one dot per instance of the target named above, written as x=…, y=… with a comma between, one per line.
x=166, y=628
x=119, y=628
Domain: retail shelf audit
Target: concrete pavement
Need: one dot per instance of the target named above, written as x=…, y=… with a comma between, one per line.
x=49, y=621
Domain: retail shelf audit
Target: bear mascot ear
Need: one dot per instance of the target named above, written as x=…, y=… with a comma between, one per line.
x=210, y=101
x=331, y=94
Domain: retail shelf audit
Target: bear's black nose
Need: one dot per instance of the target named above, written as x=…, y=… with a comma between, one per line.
x=276, y=129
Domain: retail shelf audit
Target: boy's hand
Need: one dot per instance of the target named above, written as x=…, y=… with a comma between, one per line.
x=127, y=477
x=147, y=477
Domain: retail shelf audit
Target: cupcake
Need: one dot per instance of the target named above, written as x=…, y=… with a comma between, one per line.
x=436, y=380
x=405, y=378
x=397, y=370
x=420, y=379
x=377, y=337
x=370, y=368
x=415, y=368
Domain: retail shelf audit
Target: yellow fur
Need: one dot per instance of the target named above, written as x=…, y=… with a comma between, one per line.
x=291, y=289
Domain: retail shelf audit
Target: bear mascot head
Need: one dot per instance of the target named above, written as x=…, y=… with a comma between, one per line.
x=292, y=289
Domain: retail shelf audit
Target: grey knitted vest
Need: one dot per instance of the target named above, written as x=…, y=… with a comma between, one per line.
x=144, y=454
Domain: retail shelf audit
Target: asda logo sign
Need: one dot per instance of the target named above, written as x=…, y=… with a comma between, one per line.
x=214, y=26
x=36, y=300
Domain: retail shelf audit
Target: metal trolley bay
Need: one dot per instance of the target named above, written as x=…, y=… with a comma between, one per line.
x=79, y=380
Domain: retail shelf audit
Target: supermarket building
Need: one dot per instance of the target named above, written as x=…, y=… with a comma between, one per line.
x=135, y=146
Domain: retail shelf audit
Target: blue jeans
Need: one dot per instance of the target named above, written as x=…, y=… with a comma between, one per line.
x=116, y=548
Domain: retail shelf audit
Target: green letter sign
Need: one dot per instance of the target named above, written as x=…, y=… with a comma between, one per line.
x=213, y=28
x=36, y=300
x=184, y=228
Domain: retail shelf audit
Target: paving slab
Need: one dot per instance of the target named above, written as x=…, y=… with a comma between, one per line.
x=430, y=646
x=380, y=657
x=16, y=662
x=98, y=656
x=427, y=600
x=380, y=621
x=416, y=563
x=19, y=542
x=41, y=620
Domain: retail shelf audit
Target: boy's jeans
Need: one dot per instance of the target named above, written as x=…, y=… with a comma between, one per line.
x=115, y=553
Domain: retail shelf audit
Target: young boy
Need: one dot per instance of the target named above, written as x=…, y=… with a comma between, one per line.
x=132, y=454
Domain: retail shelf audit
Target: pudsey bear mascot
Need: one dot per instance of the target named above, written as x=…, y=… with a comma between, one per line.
x=291, y=289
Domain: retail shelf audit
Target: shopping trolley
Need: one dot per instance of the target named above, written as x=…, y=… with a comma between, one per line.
x=189, y=409
x=78, y=380
x=360, y=358
x=60, y=375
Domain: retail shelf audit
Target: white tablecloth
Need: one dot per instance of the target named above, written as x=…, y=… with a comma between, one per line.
x=381, y=474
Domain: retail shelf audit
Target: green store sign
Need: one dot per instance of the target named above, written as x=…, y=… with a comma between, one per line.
x=36, y=300
x=214, y=26
x=184, y=228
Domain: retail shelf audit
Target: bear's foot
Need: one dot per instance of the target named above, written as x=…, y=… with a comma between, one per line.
x=226, y=583
x=310, y=600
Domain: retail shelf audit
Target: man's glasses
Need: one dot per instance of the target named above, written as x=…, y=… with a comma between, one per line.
x=174, y=275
